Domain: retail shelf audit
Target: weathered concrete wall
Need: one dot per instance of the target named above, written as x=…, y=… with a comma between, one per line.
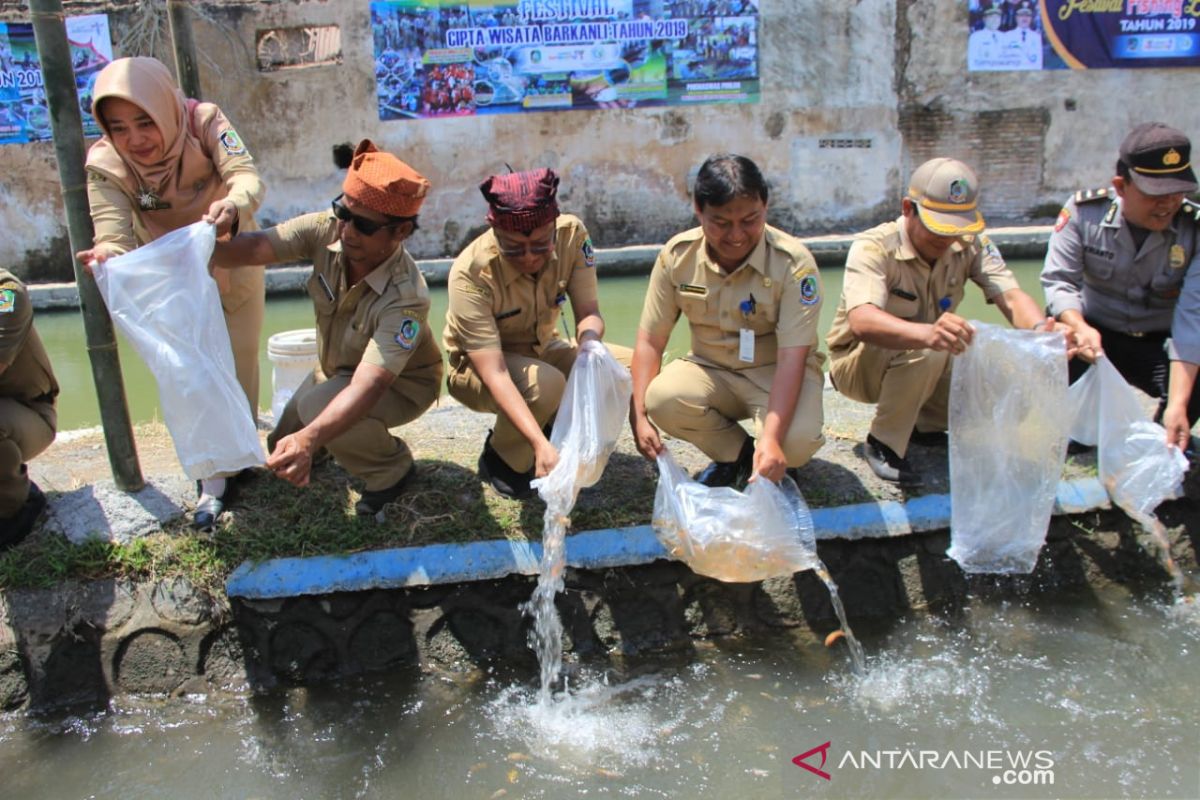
x=887, y=76
x=83, y=644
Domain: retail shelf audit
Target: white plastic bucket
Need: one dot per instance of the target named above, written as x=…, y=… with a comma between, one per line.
x=293, y=356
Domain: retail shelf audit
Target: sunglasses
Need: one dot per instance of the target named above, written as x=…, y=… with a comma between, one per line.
x=367, y=227
x=510, y=250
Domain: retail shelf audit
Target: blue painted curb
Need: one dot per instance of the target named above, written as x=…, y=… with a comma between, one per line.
x=613, y=547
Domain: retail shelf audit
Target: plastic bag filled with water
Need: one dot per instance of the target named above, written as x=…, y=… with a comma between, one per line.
x=164, y=301
x=1008, y=440
x=764, y=532
x=1137, y=467
x=591, y=416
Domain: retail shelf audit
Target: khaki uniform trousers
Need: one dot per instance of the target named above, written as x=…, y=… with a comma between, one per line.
x=702, y=405
x=910, y=387
x=25, y=431
x=367, y=450
x=243, y=301
x=541, y=381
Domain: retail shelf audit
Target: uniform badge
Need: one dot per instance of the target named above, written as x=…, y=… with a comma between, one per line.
x=1111, y=215
x=8, y=301
x=1177, y=257
x=989, y=247
x=689, y=288
x=809, y=291
x=406, y=337
x=232, y=143
x=959, y=189
x=1064, y=217
x=589, y=253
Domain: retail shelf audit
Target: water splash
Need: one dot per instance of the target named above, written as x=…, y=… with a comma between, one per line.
x=856, y=651
x=546, y=636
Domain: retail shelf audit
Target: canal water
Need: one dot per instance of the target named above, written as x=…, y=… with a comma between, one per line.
x=1088, y=696
x=620, y=302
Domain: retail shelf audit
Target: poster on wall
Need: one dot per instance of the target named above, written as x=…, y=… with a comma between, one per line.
x=24, y=116
x=439, y=59
x=1082, y=34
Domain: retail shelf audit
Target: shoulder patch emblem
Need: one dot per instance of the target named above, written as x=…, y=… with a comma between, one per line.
x=232, y=143
x=8, y=301
x=989, y=247
x=406, y=337
x=810, y=292
x=1064, y=217
x=589, y=253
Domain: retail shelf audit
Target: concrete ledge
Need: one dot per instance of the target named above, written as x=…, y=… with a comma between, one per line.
x=829, y=251
x=478, y=561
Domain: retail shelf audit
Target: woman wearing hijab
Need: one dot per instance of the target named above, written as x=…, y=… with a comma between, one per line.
x=165, y=162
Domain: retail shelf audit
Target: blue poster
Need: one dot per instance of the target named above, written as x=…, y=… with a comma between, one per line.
x=1082, y=34
x=24, y=116
x=436, y=59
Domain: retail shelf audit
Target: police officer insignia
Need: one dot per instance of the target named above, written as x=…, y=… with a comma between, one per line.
x=808, y=290
x=232, y=143
x=958, y=191
x=1177, y=257
x=8, y=301
x=589, y=253
x=406, y=337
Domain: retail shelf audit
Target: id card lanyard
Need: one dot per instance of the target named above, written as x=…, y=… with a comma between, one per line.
x=745, y=334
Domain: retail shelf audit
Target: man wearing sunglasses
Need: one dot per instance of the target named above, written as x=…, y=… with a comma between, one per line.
x=507, y=290
x=379, y=364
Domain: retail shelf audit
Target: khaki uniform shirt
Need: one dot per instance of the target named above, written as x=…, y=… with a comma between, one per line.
x=776, y=294
x=382, y=320
x=1094, y=267
x=493, y=306
x=27, y=376
x=118, y=216
x=884, y=269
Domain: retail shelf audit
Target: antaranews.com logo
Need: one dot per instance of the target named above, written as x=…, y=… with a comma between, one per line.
x=1007, y=767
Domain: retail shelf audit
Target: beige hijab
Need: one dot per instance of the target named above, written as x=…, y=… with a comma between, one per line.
x=186, y=178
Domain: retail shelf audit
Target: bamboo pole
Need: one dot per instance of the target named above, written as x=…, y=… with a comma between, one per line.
x=186, y=69
x=66, y=124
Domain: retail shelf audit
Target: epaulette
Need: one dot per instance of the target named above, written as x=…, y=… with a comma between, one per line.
x=1091, y=195
x=788, y=244
x=1191, y=209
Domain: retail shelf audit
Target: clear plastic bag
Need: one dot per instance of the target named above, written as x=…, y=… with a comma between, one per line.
x=590, y=419
x=163, y=300
x=1008, y=422
x=1137, y=466
x=764, y=532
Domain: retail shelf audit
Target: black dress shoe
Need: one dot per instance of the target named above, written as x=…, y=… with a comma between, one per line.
x=504, y=479
x=929, y=438
x=887, y=465
x=371, y=503
x=729, y=473
x=17, y=527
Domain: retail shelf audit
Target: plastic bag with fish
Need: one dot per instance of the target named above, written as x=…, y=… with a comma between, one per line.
x=591, y=416
x=1138, y=468
x=165, y=302
x=1008, y=422
x=764, y=532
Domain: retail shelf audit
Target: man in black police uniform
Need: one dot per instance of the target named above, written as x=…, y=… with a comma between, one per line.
x=1117, y=259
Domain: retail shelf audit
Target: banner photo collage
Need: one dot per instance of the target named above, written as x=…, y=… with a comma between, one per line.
x=24, y=116
x=1082, y=34
x=438, y=59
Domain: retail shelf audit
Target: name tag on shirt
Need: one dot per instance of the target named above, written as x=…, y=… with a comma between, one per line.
x=746, y=345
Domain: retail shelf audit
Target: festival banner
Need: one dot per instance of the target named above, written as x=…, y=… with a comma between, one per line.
x=24, y=116
x=437, y=59
x=1082, y=34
